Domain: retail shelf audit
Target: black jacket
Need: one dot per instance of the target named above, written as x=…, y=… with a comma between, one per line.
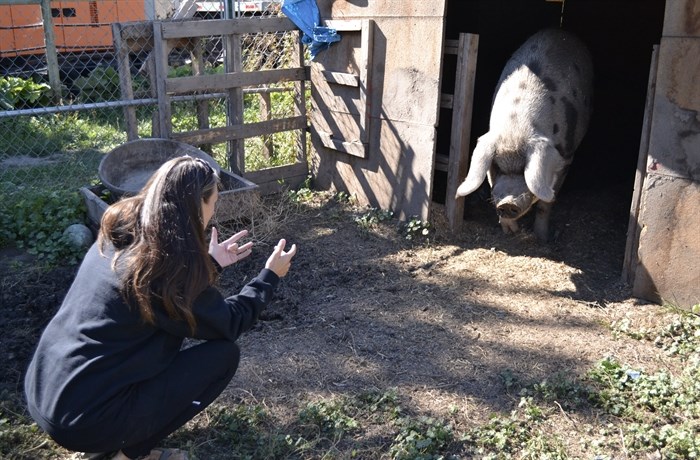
x=96, y=347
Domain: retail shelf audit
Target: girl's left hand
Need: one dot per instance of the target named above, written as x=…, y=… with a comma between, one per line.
x=229, y=252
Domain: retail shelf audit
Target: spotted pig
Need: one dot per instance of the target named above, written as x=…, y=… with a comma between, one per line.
x=539, y=115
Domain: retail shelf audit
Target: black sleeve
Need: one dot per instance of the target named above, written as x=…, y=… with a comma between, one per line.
x=220, y=317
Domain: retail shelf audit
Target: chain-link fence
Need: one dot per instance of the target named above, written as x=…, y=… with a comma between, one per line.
x=74, y=91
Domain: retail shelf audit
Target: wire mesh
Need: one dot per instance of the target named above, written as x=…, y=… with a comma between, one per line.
x=62, y=102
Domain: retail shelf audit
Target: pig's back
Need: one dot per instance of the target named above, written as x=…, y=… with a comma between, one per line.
x=545, y=90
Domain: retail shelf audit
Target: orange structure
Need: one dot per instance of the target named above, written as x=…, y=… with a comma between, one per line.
x=78, y=26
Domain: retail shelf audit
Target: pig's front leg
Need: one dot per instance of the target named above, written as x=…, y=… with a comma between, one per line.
x=541, y=225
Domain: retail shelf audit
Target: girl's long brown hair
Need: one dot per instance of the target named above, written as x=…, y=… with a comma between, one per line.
x=158, y=235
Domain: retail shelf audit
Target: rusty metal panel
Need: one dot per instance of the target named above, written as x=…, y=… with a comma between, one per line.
x=681, y=18
x=376, y=139
x=674, y=144
x=669, y=246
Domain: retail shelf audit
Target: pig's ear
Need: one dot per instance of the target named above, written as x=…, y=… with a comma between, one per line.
x=543, y=167
x=480, y=164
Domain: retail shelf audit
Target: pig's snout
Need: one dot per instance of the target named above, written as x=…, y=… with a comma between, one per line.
x=508, y=210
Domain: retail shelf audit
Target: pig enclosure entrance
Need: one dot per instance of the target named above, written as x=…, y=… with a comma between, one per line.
x=620, y=36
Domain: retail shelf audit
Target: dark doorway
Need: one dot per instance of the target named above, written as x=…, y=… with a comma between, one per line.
x=620, y=35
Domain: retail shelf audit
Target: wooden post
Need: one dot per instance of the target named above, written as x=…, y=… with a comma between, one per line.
x=366, y=47
x=629, y=265
x=265, y=106
x=197, y=54
x=234, y=63
x=51, y=55
x=458, y=162
x=125, y=82
x=161, y=51
x=300, y=104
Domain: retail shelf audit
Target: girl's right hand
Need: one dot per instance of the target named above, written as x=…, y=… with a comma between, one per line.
x=279, y=261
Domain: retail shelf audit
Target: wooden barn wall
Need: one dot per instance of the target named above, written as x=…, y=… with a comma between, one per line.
x=403, y=91
x=668, y=268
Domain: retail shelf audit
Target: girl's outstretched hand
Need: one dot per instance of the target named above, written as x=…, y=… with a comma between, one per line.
x=279, y=261
x=229, y=252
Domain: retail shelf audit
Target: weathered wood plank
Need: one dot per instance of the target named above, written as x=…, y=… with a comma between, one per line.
x=446, y=101
x=52, y=66
x=344, y=25
x=300, y=103
x=161, y=70
x=365, y=64
x=461, y=127
x=451, y=47
x=234, y=64
x=357, y=149
x=279, y=178
x=235, y=79
x=207, y=28
x=240, y=131
x=268, y=146
x=125, y=82
x=629, y=265
x=341, y=78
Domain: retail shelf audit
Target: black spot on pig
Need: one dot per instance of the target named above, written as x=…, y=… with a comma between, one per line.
x=555, y=128
x=549, y=84
x=571, y=116
x=535, y=67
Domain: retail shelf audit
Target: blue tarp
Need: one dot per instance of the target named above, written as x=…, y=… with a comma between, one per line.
x=305, y=14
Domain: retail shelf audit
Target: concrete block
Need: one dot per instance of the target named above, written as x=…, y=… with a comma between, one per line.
x=674, y=141
x=681, y=18
x=668, y=267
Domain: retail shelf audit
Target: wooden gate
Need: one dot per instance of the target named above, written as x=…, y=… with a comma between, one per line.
x=159, y=37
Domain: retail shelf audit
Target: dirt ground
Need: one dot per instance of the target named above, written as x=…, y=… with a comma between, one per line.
x=442, y=322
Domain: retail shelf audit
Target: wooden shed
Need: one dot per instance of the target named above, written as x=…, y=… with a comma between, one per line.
x=400, y=100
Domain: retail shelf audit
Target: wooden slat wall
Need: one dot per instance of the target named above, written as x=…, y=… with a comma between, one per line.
x=192, y=29
x=232, y=83
x=232, y=79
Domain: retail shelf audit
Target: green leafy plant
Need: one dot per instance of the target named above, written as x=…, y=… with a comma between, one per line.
x=681, y=337
x=102, y=84
x=304, y=193
x=20, y=93
x=243, y=431
x=519, y=435
x=415, y=229
x=329, y=417
x=421, y=438
x=372, y=218
x=36, y=222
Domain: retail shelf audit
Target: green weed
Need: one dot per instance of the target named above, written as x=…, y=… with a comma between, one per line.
x=372, y=218
x=416, y=230
x=36, y=223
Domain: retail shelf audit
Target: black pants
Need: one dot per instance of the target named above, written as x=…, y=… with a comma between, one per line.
x=158, y=407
